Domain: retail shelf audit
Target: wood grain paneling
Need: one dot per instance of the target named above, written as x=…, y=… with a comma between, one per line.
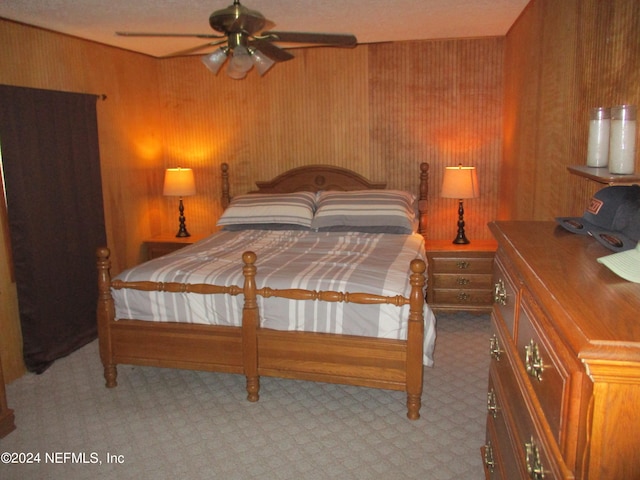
x=561, y=60
x=378, y=109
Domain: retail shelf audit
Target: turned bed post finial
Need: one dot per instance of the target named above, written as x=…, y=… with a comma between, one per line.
x=250, y=318
x=105, y=314
x=226, y=199
x=415, y=337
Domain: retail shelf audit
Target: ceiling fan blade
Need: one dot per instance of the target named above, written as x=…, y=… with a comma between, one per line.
x=186, y=35
x=270, y=50
x=193, y=50
x=330, y=39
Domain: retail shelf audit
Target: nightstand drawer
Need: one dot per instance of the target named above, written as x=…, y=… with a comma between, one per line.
x=462, y=264
x=461, y=297
x=466, y=281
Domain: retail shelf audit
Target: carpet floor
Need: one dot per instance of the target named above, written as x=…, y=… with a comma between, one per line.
x=177, y=424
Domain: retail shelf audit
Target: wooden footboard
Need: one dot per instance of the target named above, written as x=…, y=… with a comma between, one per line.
x=253, y=351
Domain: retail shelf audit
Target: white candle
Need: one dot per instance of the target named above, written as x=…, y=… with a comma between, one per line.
x=622, y=140
x=598, y=146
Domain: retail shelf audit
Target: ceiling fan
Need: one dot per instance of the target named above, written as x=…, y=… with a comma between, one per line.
x=247, y=42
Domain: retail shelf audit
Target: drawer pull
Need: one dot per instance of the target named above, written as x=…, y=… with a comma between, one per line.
x=534, y=464
x=494, y=348
x=533, y=360
x=500, y=293
x=489, y=462
x=463, y=281
x=463, y=297
x=492, y=404
x=463, y=265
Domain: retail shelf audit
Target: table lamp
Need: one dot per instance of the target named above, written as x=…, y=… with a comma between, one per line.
x=179, y=182
x=460, y=182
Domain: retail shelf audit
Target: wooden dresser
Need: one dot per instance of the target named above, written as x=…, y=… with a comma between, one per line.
x=563, y=398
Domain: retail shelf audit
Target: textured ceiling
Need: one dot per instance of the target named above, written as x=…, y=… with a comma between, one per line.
x=370, y=20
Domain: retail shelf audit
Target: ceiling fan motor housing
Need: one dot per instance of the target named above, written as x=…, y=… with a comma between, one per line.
x=237, y=18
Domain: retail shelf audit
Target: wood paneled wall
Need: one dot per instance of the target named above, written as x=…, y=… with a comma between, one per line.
x=562, y=58
x=378, y=109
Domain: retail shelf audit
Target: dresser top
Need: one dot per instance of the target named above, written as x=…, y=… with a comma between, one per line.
x=597, y=312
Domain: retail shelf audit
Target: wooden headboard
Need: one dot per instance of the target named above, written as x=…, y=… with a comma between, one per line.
x=313, y=178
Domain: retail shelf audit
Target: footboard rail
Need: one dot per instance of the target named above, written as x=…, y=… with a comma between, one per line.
x=415, y=334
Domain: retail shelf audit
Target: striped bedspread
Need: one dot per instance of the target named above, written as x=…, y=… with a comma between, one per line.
x=347, y=262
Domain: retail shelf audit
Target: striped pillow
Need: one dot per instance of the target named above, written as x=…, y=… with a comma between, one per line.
x=272, y=211
x=373, y=211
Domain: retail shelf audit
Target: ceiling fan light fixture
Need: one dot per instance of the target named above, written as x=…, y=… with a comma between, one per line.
x=213, y=61
x=261, y=61
x=240, y=63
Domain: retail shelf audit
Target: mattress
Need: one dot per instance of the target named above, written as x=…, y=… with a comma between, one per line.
x=351, y=262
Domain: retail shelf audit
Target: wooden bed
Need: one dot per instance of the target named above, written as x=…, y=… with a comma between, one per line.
x=253, y=351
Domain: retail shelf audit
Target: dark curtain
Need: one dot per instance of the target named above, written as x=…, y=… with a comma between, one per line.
x=50, y=155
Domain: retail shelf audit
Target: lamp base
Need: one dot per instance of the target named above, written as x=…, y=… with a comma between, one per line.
x=461, y=238
x=182, y=232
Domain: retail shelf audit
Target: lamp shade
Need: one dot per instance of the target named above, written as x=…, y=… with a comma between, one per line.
x=460, y=182
x=179, y=182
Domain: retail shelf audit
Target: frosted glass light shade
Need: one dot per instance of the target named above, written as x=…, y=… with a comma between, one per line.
x=460, y=182
x=261, y=62
x=179, y=182
x=213, y=61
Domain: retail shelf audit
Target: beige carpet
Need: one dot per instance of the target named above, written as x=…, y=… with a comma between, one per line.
x=173, y=424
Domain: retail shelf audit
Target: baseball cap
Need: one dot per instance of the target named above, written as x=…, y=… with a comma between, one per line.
x=612, y=218
x=624, y=264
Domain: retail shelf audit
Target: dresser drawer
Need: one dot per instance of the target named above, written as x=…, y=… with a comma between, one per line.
x=466, y=265
x=501, y=461
x=535, y=449
x=506, y=293
x=548, y=365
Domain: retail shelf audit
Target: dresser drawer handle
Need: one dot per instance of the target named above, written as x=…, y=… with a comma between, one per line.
x=492, y=404
x=533, y=360
x=489, y=461
x=534, y=464
x=463, y=281
x=463, y=297
x=494, y=348
x=463, y=265
x=500, y=293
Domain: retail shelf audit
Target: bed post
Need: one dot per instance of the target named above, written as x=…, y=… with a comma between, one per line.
x=414, y=339
x=422, y=201
x=105, y=315
x=226, y=199
x=250, y=327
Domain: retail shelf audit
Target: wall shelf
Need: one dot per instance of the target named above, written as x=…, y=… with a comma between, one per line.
x=602, y=175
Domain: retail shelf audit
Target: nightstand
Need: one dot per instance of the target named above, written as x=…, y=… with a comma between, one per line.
x=460, y=276
x=167, y=243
